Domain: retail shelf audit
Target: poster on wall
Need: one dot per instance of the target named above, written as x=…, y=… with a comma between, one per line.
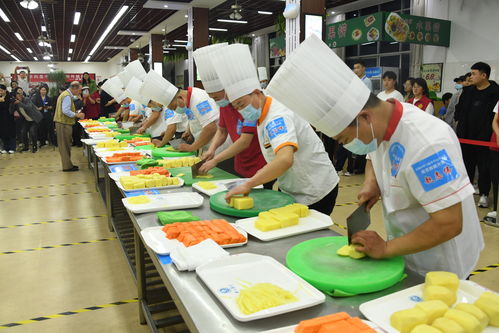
x=277, y=46
x=432, y=73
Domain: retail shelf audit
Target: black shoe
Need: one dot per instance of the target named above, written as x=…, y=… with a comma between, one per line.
x=33, y=149
x=74, y=168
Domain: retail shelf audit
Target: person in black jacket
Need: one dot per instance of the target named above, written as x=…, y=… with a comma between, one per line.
x=24, y=108
x=107, y=102
x=43, y=103
x=474, y=114
x=7, y=123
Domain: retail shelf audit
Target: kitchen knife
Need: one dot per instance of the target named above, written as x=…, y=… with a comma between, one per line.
x=195, y=169
x=176, y=143
x=357, y=221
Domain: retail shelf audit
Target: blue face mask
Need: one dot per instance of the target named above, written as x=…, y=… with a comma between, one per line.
x=156, y=108
x=180, y=110
x=125, y=105
x=223, y=102
x=360, y=148
x=250, y=113
x=458, y=86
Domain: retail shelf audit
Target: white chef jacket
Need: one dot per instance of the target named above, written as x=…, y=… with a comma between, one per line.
x=312, y=175
x=159, y=126
x=201, y=110
x=394, y=94
x=172, y=117
x=135, y=108
x=419, y=169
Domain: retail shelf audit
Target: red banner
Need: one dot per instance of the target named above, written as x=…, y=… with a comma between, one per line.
x=70, y=77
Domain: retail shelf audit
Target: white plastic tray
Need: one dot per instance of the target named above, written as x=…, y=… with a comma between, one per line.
x=92, y=142
x=220, y=186
x=156, y=239
x=181, y=183
x=100, y=150
x=103, y=158
x=167, y=201
x=314, y=221
x=380, y=310
x=291, y=329
x=104, y=153
x=226, y=276
x=116, y=175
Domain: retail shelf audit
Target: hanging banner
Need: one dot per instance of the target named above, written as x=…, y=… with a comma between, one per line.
x=432, y=74
x=358, y=30
x=44, y=77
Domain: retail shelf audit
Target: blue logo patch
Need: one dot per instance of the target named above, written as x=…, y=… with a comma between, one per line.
x=189, y=114
x=169, y=114
x=435, y=170
x=396, y=153
x=204, y=107
x=416, y=299
x=276, y=127
x=239, y=127
x=132, y=107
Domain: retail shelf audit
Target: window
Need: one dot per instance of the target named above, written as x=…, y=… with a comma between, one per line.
x=368, y=48
x=389, y=47
x=390, y=61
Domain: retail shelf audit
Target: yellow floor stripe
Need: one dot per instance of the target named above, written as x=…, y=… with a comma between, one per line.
x=57, y=246
x=347, y=204
x=484, y=269
x=47, y=196
x=74, y=219
x=350, y=185
x=43, y=186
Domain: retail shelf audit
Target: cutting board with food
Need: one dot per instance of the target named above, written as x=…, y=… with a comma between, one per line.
x=213, y=174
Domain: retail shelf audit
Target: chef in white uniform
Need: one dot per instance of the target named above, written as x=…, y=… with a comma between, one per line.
x=415, y=163
x=294, y=153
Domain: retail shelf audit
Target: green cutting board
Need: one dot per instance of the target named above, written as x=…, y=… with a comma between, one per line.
x=263, y=200
x=144, y=147
x=218, y=174
x=317, y=263
x=162, y=152
x=122, y=137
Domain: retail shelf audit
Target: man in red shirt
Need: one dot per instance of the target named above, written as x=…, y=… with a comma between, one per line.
x=248, y=158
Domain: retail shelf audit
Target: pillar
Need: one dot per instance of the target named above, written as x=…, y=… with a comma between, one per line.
x=197, y=31
x=156, y=53
x=311, y=7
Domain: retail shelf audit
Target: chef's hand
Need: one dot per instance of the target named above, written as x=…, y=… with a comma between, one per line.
x=187, y=136
x=157, y=143
x=369, y=193
x=370, y=243
x=243, y=189
x=141, y=130
x=208, y=155
x=207, y=166
x=186, y=147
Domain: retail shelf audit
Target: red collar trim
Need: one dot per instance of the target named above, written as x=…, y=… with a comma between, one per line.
x=394, y=120
x=189, y=94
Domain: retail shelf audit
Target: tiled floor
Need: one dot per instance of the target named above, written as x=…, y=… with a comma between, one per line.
x=50, y=281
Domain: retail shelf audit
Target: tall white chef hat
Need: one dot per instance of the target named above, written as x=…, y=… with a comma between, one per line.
x=262, y=73
x=124, y=77
x=132, y=90
x=207, y=72
x=236, y=70
x=158, y=89
x=136, y=69
x=317, y=85
x=113, y=87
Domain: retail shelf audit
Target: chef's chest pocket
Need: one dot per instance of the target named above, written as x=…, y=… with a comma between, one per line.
x=397, y=198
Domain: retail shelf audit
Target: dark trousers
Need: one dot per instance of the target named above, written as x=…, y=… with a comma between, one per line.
x=46, y=130
x=9, y=143
x=77, y=135
x=342, y=154
x=331, y=147
x=476, y=156
x=494, y=174
x=326, y=204
x=359, y=163
x=29, y=128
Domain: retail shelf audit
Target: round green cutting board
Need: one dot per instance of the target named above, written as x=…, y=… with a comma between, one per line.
x=316, y=262
x=263, y=200
x=144, y=147
x=162, y=152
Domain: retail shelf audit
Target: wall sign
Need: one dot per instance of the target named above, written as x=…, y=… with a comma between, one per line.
x=70, y=77
x=432, y=73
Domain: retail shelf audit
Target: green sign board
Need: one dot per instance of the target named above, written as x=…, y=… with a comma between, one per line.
x=390, y=27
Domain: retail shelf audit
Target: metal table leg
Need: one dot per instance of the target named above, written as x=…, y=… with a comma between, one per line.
x=109, y=203
x=96, y=171
x=141, y=279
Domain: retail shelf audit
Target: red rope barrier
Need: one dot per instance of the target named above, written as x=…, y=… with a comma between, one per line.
x=479, y=143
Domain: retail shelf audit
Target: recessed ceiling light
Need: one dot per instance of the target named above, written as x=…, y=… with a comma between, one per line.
x=180, y=41
x=73, y=38
x=69, y=58
x=186, y=16
x=178, y=45
x=46, y=57
x=29, y=4
x=76, y=20
x=44, y=28
x=253, y=35
x=17, y=59
x=4, y=49
x=333, y=12
x=232, y=21
x=88, y=58
x=42, y=43
x=29, y=50
x=264, y=12
x=35, y=58
x=70, y=51
x=131, y=32
x=18, y=36
x=165, y=6
x=3, y=16
x=51, y=65
x=162, y=29
x=218, y=29
x=114, y=47
x=111, y=25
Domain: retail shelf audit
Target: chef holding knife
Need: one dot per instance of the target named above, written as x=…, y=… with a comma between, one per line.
x=415, y=163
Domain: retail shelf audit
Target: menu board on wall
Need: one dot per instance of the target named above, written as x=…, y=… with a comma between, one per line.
x=358, y=30
x=432, y=74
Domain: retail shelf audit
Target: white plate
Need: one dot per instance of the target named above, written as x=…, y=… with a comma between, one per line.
x=100, y=150
x=380, y=310
x=116, y=175
x=220, y=186
x=291, y=329
x=93, y=141
x=111, y=153
x=226, y=276
x=314, y=221
x=181, y=183
x=156, y=239
x=103, y=154
x=167, y=201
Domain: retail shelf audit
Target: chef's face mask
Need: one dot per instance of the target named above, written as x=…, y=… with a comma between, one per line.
x=358, y=147
x=250, y=113
x=156, y=108
x=180, y=110
x=458, y=86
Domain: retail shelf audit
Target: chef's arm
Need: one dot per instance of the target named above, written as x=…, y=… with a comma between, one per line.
x=169, y=133
x=205, y=136
x=119, y=112
x=282, y=162
x=151, y=120
x=218, y=140
x=240, y=145
x=369, y=192
x=111, y=102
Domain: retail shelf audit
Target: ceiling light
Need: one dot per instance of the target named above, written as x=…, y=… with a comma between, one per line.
x=76, y=20
x=73, y=38
x=333, y=12
x=131, y=32
x=3, y=16
x=179, y=45
x=253, y=35
x=29, y=4
x=218, y=29
x=35, y=58
x=29, y=50
x=44, y=28
x=165, y=6
x=235, y=16
x=111, y=25
x=180, y=41
x=18, y=36
x=69, y=58
x=42, y=43
x=70, y=51
x=17, y=59
x=264, y=12
x=114, y=47
x=4, y=49
x=46, y=57
x=186, y=16
x=169, y=48
x=232, y=21
x=51, y=64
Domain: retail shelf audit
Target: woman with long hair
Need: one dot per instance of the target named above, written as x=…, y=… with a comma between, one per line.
x=408, y=89
x=421, y=100
x=44, y=104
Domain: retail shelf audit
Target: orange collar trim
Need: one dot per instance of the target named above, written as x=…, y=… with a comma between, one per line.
x=265, y=110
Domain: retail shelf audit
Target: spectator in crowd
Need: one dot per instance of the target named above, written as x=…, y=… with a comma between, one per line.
x=77, y=130
x=494, y=167
x=474, y=114
x=88, y=82
x=107, y=102
x=443, y=110
x=7, y=123
x=408, y=89
x=91, y=103
x=43, y=103
x=390, y=85
x=23, y=78
x=13, y=87
x=3, y=80
x=343, y=155
x=459, y=84
x=421, y=99
x=24, y=108
x=359, y=68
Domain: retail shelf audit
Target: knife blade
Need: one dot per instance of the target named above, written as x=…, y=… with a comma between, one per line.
x=357, y=221
x=195, y=169
x=176, y=143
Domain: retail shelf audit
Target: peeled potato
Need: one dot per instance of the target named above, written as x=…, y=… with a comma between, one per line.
x=441, y=293
x=425, y=329
x=434, y=309
x=406, y=320
x=475, y=312
x=447, y=325
x=465, y=320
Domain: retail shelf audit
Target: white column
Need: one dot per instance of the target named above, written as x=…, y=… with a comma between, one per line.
x=190, y=38
x=292, y=30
